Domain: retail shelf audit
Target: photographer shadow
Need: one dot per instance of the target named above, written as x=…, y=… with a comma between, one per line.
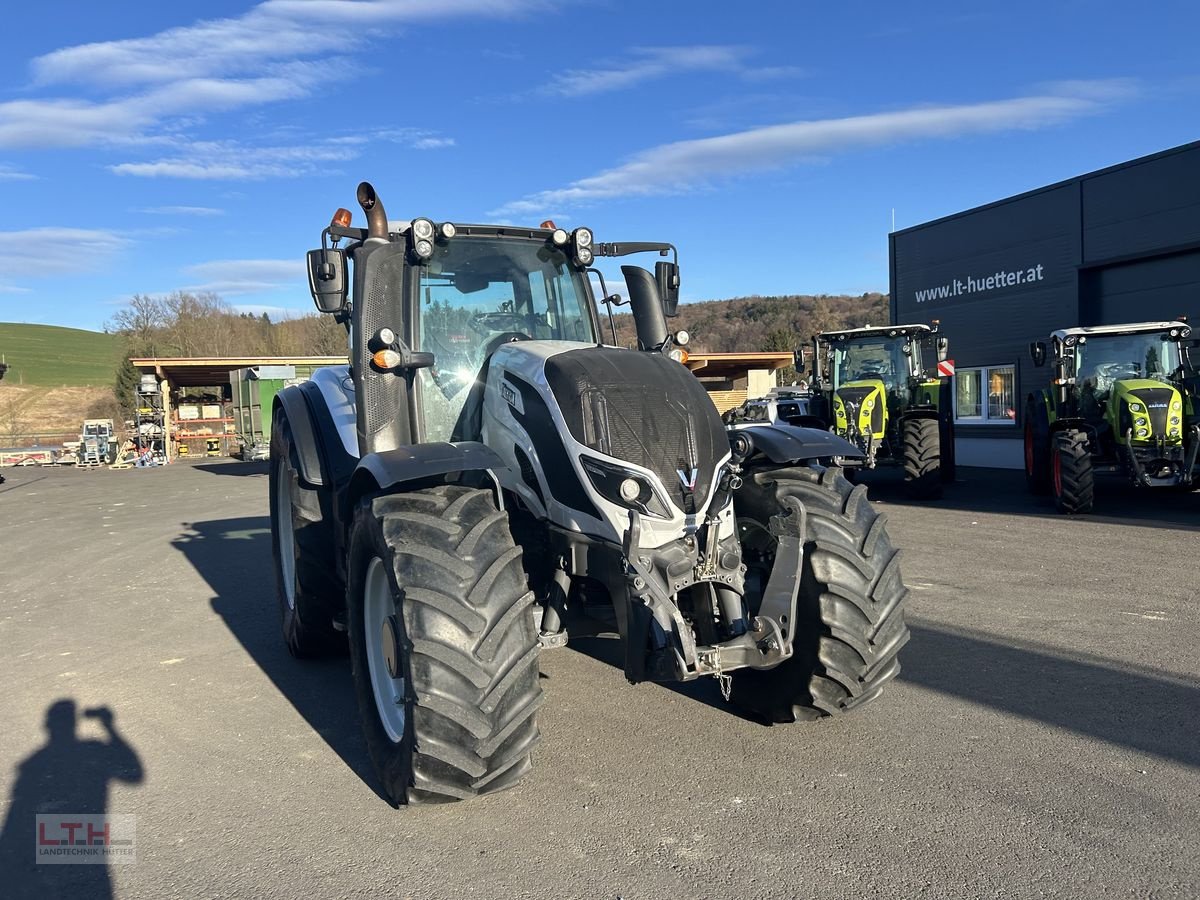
x=66, y=776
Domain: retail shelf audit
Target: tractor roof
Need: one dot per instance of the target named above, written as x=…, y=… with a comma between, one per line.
x=1131, y=328
x=849, y=334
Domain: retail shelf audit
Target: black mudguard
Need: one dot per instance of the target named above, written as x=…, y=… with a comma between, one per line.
x=317, y=450
x=788, y=443
x=390, y=468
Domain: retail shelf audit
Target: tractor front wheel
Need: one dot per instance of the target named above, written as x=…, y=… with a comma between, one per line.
x=850, y=613
x=922, y=448
x=443, y=650
x=1071, y=472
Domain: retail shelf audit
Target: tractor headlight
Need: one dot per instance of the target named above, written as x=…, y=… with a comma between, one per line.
x=1174, y=420
x=583, y=237
x=584, y=255
x=1141, y=420
x=447, y=230
x=1135, y=407
x=623, y=487
x=422, y=229
x=869, y=405
x=559, y=237
x=1143, y=432
x=423, y=249
x=1176, y=406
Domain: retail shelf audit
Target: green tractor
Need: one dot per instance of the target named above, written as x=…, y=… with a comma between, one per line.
x=1123, y=401
x=870, y=386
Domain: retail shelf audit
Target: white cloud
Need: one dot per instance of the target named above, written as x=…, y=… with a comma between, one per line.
x=278, y=50
x=232, y=277
x=416, y=138
x=648, y=63
x=12, y=173
x=686, y=165
x=13, y=289
x=46, y=252
x=200, y=211
x=237, y=161
x=234, y=161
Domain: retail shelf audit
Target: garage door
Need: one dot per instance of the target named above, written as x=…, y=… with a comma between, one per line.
x=1149, y=290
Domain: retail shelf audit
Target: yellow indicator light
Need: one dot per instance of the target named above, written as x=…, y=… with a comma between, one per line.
x=386, y=359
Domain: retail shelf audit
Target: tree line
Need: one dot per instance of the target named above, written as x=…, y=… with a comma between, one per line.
x=203, y=324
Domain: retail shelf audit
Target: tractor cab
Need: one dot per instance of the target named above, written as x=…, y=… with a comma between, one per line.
x=1121, y=400
x=868, y=382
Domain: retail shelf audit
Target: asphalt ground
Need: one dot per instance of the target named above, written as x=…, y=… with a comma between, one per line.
x=1043, y=739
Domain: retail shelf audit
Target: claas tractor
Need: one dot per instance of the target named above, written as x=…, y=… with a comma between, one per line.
x=871, y=386
x=1122, y=401
x=486, y=472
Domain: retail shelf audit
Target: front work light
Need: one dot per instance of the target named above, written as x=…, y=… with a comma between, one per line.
x=583, y=237
x=422, y=229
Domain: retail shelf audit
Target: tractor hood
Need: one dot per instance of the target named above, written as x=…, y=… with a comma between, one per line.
x=860, y=407
x=588, y=424
x=1150, y=410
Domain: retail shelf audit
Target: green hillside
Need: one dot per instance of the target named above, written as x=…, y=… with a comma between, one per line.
x=49, y=356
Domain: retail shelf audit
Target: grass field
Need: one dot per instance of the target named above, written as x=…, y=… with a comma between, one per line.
x=49, y=356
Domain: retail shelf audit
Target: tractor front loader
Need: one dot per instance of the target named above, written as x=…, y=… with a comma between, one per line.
x=485, y=469
x=872, y=388
x=1122, y=401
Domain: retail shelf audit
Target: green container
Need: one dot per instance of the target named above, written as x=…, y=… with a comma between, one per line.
x=253, y=391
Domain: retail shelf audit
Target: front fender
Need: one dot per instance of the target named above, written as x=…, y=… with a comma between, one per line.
x=790, y=443
x=390, y=469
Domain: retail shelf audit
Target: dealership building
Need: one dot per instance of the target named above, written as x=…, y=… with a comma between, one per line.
x=1114, y=246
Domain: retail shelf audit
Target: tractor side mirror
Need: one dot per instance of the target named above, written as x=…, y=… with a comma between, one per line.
x=1037, y=350
x=667, y=276
x=327, y=279
x=943, y=348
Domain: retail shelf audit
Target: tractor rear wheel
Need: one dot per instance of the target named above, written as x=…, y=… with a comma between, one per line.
x=1037, y=455
x=921, y=444
x=310, y=594
x=1071, y=472
x=850, y=612
x=443, y=650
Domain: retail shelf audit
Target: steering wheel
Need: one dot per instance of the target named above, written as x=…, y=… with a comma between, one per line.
x=1114, y=371
x=491, y=322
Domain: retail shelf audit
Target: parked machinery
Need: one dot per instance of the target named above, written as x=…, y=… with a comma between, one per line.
x=871, y=386
x=486, y=470
x=97, y=443
x=1122, y=400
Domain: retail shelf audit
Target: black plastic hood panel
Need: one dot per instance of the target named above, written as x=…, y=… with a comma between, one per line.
x=646, y=409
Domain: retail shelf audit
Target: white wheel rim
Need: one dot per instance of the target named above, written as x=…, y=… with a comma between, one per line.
x=378, y=612
x=285, y=534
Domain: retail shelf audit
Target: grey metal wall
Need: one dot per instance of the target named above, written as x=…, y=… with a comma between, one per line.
x=1120, y=245
x=990, y=326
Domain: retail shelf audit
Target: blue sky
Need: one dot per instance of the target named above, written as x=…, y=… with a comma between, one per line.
x=150, y=147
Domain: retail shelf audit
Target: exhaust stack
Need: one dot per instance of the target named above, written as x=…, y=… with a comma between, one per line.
x=377, y=228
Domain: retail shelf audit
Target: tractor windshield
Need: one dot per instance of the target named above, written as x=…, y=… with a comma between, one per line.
x=880, y=359
x=479, y=292
x=1106, y=359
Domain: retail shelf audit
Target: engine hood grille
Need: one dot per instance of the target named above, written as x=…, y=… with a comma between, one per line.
x=1157, y=401
x=645, y=409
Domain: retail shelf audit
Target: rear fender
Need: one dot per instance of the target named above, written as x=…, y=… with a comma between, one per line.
x=391, y=470
x=318, y=453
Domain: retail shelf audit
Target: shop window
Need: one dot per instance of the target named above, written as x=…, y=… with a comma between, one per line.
x=985, y=395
